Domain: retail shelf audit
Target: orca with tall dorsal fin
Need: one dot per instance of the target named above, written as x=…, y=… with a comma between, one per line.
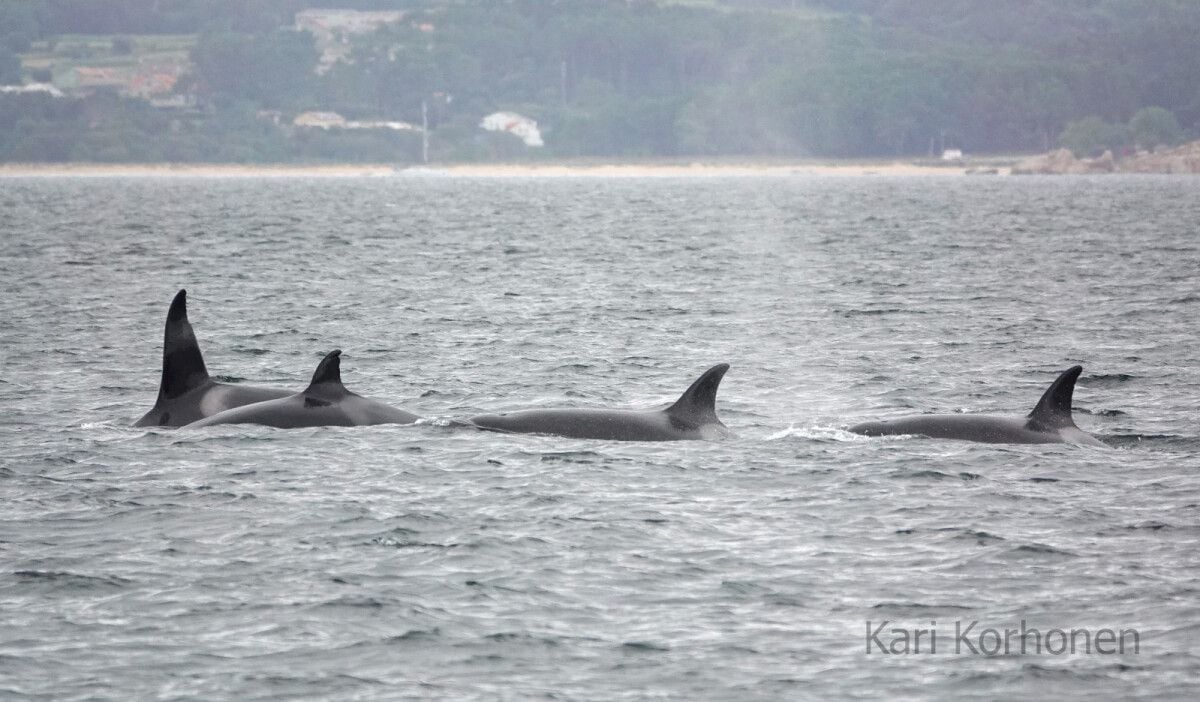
x=186, y=392
x=693, y=416
x=1050, y=422
x=325, y=402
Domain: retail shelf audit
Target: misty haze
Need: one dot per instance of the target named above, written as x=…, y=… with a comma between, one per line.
x=599, y=350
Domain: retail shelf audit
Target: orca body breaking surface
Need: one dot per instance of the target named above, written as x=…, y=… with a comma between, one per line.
x=186, y=393
x=1050, y=422
x=692, y=417
x=325, y=402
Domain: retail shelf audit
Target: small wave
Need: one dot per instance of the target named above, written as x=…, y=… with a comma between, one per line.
x=1141, y=526
x=1044, y=671
x=1105, y=379
x=919, y=474
x=817, y=433
x=1151, y=525
x=443, y=422
x=879, y=312
x=571, y=457
x=920, y=607
x=1036, y=549
x=400, y=543
x=228, y=379
x=70, y=580
x=241, y=433
x=414, y=635
x=1188, y=628
x=1033, y=670
x=980, y=537
x=644, y=646
x=520, y=636
x=1173, y=441
x=355, y=602
x=744, y=588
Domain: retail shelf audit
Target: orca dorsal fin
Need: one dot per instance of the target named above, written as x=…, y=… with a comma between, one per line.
x=327, y=380
x=698, y=404
x=1054, y=409
x=183, y=365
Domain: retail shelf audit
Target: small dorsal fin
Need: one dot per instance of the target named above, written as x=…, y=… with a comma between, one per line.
x=1054, y=409
x=327, y=380
x=183, y=364
x=698, y=404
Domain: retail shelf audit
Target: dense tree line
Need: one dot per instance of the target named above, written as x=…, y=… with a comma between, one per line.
x=635, y=77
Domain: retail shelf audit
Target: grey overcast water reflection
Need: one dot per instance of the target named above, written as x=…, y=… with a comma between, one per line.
x=438, y=562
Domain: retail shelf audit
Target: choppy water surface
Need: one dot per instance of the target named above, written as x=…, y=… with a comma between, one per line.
x=429, y=561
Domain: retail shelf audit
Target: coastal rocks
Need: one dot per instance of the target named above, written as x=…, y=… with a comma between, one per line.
x=1181, y=159
x=1064, y=162
x=1104, y=163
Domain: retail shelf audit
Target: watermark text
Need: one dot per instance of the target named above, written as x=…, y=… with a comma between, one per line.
x=970, y=638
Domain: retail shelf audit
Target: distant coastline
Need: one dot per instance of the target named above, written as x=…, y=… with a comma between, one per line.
x=1183, y=159
x=615, y=169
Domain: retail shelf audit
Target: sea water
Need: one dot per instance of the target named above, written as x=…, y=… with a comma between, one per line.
x=797, y=561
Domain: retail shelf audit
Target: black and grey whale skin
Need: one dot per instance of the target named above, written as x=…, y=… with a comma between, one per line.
x=186, y=392
x=693, y=416
x=324, y=403
x=1050, y=422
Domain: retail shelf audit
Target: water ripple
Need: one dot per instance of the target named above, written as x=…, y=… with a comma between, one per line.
x=435, y=561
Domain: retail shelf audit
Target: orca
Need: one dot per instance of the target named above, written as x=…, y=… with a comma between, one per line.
x=693, y=416
x=1050, y=422
x=186, y=392
x=325, y=402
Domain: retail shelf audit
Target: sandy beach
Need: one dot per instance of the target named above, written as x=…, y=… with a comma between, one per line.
x=488, y=170
x=213, y=170
x=701, y=169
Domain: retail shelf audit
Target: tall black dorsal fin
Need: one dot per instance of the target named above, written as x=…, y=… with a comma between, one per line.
x=327, y=380
x=698, y=404
x=1054, y=409
x=183, y=365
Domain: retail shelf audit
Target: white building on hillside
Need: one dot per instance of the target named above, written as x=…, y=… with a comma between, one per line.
x=519, y=125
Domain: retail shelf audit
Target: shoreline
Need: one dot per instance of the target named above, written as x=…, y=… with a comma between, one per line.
x=615, y=169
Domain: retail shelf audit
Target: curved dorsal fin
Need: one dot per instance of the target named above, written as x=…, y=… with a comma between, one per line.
x=698, y=404
x=183, y=365
x=327, y=380
x=1054, y=409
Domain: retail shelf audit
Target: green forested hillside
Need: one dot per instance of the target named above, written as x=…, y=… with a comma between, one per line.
x=826, y=78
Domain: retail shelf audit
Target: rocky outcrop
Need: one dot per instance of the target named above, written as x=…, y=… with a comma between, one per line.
x=1181, y=159
x=1064, y=162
